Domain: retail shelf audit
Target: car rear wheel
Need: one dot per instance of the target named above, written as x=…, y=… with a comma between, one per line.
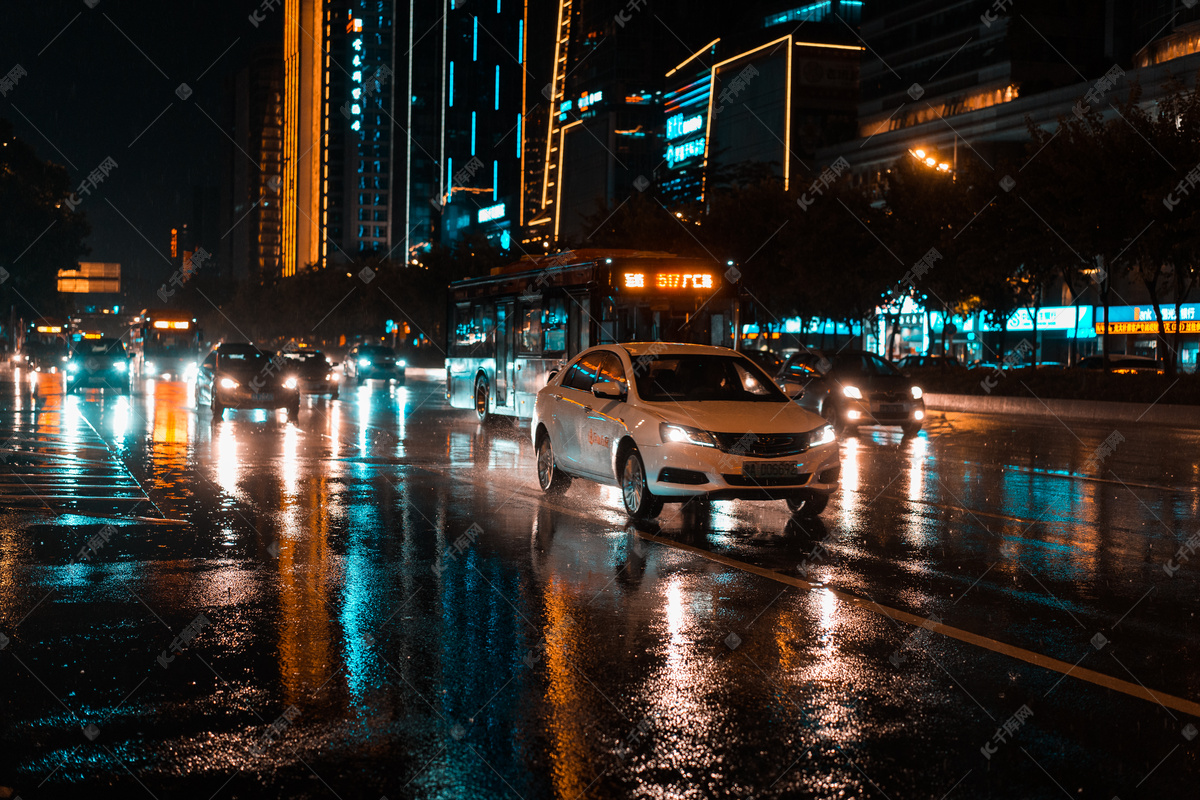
x=552, y=480
x=808, y=504
x=639, y=502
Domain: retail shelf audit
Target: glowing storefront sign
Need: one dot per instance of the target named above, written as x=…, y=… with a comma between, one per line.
x=491, y=213
x=681, y=125
x=682, y=152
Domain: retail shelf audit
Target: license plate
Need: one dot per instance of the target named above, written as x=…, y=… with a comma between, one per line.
x=891, y=408
x=770, y=469
x=263, y=398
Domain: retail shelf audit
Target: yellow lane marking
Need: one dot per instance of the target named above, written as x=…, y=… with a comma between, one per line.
x=1019, y=653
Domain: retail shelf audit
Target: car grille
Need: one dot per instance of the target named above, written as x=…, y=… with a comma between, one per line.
x=888, y=397
x=790, y=480
x=763, y=445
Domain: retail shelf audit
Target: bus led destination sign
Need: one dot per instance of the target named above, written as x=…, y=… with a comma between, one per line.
x=668, y=280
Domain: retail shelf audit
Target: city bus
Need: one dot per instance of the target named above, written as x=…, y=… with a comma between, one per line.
x=164, y=344
x=508, y=331
x=43, y=345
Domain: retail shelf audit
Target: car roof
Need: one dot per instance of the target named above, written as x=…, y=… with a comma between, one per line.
x=636, y=349
x=243, y=348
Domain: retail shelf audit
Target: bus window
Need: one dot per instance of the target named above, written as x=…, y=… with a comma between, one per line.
x=529, y=329
x=462, y=328
x=579, y=316
x=608, y=322
x=554, y=327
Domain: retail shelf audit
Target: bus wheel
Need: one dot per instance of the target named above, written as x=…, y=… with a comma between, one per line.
x=481, y=399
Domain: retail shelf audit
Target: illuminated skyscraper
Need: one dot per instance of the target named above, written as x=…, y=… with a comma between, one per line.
x=303, y=149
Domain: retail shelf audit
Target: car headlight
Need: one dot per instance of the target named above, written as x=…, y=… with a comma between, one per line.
x=121, y=366
x=680, y=433
x=822, y=435
x=364, y=362
x=148, y=368
x=228, y=383
x=400, y=362
x=917, y=393
x=290, y=383
x=72, y=366
x=853, y=392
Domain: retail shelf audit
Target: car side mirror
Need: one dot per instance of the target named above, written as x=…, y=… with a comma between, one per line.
x=551, y=375
x=609, y=390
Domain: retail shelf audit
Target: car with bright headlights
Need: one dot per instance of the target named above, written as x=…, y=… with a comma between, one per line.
x=313, y=370
x=367, y=362
x=98, y=362
x=669, y=422
x=854, y=387
x=241, y=376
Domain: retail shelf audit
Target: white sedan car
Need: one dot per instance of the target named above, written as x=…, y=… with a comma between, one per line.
x=665, y=422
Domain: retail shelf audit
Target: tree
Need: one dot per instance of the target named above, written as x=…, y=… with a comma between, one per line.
x=39, y=233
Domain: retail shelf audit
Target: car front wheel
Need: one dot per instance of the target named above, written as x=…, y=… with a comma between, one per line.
x=639, y=502
x=552, y=480
x=808, y=504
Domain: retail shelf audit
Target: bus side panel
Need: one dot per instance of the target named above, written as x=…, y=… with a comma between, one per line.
x=460, y=379
x=531, y=375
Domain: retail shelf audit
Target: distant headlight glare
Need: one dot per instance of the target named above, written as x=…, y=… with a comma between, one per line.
x=290, y=383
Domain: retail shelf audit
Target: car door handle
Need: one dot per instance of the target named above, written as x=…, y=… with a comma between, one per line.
x=588, y=409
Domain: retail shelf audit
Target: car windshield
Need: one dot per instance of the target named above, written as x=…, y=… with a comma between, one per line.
x=307, y=357
x=377, y=351
x=863, y=364
x=99, y=347
x=243, y=359
x=682, y=378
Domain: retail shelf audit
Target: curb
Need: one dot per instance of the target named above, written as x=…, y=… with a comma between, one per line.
x=1076, y=410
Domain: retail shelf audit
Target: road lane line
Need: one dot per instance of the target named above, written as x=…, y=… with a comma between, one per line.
x=1012, y=651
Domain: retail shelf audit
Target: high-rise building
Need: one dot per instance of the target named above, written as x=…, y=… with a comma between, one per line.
x=360, y=195
x=405, y=126
x=483, y=120
x=250, y=218
x=304, y=63
x=601, y=127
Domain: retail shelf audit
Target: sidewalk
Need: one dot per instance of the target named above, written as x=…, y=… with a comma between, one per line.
x=1076, y=410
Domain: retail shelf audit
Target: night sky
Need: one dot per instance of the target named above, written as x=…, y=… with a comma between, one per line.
x=102, y=80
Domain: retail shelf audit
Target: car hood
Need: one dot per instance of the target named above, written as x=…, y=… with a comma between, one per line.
x=737, y=417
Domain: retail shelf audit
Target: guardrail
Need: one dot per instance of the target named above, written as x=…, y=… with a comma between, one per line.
x=1075, y=410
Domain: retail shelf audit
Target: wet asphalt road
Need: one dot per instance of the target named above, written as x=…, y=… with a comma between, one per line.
x=376, y=601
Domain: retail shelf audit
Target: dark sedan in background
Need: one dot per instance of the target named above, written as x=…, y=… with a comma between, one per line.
x=241, y=376
x=100, y=363
x=373, y=362
x=314, y=371
x=853, y=387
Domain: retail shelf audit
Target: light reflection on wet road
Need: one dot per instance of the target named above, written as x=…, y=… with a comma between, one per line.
x=376, y=600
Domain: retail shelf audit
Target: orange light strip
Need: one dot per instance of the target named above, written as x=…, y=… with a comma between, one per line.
x=562, y=147
x=693, y=55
